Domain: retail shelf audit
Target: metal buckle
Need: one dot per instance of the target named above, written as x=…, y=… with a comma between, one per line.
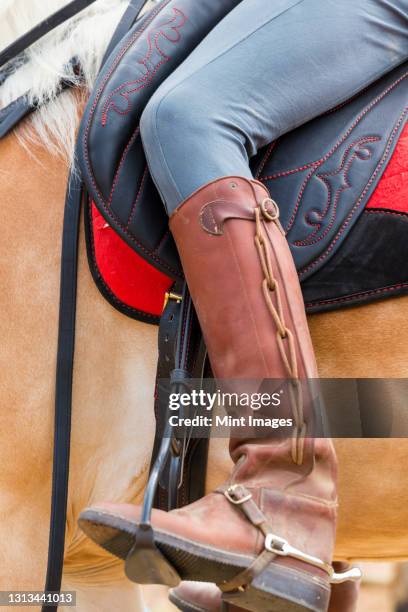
x=270, y=216
x=229, y=494
x=169, y=295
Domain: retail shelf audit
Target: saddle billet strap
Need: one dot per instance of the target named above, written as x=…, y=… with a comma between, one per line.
x=63, y=386
x=171, y=455
x=41, y=29
x=182, y=356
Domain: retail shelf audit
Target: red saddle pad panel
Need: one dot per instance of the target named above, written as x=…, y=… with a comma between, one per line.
x=129, y=277
x=392, y=190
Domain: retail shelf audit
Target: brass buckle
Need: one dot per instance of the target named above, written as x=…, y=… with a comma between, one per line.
x=229, y=494
x=169, y=295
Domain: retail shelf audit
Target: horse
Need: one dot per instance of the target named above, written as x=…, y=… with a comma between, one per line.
x=115, y=357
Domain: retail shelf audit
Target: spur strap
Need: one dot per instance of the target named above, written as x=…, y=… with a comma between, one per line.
x=274, y=545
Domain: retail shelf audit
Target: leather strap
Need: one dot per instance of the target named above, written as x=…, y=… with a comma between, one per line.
x=63, y=386
x=18, y=109
x=182, y=356
x=41, y=29
x=128, y=19
x=13, y=113
x=65, y=360
x=240, y=496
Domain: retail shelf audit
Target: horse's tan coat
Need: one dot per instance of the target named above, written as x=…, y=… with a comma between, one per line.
x=112, y=416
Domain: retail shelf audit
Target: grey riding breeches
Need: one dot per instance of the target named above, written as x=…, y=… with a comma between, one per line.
x=266, y=68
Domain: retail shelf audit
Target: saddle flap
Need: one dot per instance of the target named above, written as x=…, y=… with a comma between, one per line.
x=323, y=174
x=110, y=151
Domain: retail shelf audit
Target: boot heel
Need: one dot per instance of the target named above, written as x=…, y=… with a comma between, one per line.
x=280, y=589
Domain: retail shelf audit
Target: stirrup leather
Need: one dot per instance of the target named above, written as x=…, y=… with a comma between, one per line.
x=274, y=545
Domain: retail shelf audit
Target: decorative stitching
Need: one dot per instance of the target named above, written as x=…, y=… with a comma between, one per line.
x=345, y=167
x=381, y=211
x=299, y=198
x=146, y=170
x=85, y=151
x=362, y=196
x=364, y=112
x=148, y=76
x=355, y=296
x=266, y=157
x=162, y=239
x=122, y=161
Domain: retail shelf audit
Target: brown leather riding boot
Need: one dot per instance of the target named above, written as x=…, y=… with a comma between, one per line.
x=204, y=597
x=266, y=537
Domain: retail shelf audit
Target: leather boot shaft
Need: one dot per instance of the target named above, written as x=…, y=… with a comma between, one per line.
x=246, y=291
x=247, y=295
x=215, y=233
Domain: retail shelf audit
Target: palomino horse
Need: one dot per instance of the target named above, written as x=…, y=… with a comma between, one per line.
x=113, y=422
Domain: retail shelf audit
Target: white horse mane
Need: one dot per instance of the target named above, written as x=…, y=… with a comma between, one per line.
x=85, y=37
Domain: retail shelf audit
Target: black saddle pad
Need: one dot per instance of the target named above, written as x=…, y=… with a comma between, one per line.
x=322, y=174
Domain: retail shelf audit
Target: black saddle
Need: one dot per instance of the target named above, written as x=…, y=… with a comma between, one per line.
x=322, y=175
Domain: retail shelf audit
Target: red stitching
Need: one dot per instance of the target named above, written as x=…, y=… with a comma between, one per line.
x=163, y=238
x=98, y=94
x=355, y=296
x=122, y=160
x=357, y=204
x=146, y=78
x=345, y=135
x=266, y=157
x=137, y=196
x=380, y=211
x=299, y=198
x=345, y=167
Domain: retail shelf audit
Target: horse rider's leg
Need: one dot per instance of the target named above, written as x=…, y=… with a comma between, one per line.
x=265, y=69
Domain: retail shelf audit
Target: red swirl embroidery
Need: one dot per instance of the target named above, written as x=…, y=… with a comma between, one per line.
x=119, y=100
